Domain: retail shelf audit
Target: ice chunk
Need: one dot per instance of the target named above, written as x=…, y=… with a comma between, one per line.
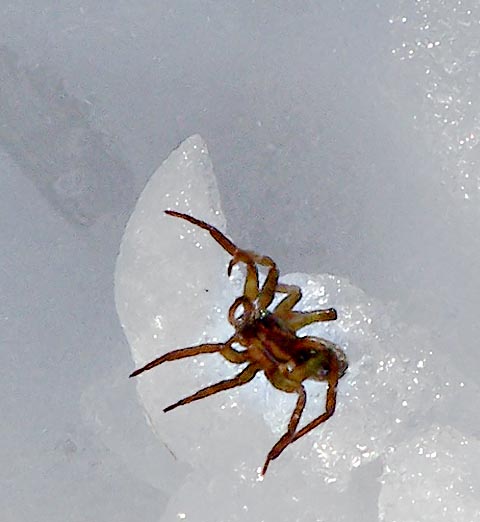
x=172, y=291
x=434, y=476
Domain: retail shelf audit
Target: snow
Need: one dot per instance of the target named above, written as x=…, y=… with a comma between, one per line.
x=435, y=475
x=345, y=142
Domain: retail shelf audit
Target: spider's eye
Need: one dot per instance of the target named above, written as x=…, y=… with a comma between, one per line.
x=263, y=313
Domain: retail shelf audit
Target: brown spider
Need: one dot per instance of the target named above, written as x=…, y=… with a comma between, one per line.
x=270, y=341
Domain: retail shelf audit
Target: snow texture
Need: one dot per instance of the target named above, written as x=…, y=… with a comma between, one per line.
x=441, y=43
x=172, y=291
x=433, y=476
x=345, y=138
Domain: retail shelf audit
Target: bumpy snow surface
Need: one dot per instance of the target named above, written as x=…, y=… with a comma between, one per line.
x=172, y=291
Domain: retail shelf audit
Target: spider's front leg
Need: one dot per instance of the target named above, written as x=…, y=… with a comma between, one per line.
x=266, y=294
x=250, y=288
x=250, y=259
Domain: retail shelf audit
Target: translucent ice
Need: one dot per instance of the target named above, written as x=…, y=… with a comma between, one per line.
x=172, y=291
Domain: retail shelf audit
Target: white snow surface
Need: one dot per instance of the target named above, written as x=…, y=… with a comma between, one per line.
x=433, y=476
x=172, y=291
x=345, y=139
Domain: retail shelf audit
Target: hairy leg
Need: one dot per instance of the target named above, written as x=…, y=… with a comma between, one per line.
x=287, y=438
x=242, y=378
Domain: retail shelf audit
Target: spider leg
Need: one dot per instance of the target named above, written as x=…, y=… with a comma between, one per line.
x=242, y=378
x=187, y=352
x=251, y=259
x=294, y=294
x=234, y=356
x=329, y=410
x=250, y=289
x=222, y=240
x=287, y=438
x=267, y=292
x=297, y=320
x=251, y=281
x=331, y=402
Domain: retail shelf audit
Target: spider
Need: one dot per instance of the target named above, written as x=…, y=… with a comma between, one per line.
x=269, y=340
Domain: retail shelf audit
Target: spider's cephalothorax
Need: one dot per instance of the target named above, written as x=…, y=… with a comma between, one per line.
x=268, y=341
